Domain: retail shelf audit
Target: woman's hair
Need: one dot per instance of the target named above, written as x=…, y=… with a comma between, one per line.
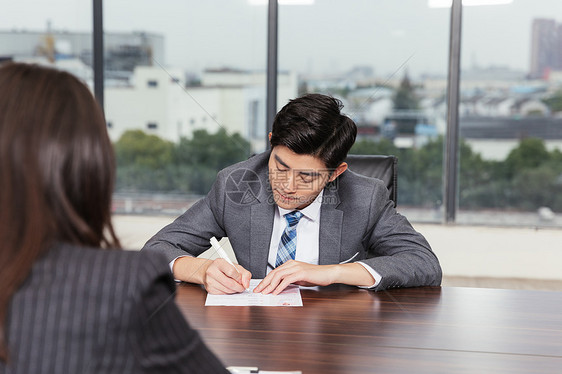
x=56, y=171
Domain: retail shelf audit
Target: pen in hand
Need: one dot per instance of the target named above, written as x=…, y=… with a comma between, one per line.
x=222, y=254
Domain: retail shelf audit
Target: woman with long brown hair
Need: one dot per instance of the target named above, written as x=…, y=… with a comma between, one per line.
x=66, y=306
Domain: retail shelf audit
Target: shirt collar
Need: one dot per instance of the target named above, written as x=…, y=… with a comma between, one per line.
x=312, y=211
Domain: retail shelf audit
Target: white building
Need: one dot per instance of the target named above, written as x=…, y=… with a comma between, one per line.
x=158, y=103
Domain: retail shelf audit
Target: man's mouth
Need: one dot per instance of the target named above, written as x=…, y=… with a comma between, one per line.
x=285, y=197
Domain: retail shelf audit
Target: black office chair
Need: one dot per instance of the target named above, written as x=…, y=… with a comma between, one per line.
x=382, y=167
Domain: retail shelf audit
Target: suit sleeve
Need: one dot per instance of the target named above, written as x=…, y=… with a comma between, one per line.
x=401, y=255
x=161, y=338
x=189, y=234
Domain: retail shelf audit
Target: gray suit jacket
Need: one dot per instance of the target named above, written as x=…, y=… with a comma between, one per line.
x=356, y=219
x=85, y=310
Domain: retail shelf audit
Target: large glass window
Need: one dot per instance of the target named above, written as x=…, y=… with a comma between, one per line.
x=510, y=114
x=184, y=94
x=387, y=61
x=185, y=97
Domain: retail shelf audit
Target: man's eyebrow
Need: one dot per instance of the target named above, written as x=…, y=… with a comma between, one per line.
x=304, y=171
x=278, y=159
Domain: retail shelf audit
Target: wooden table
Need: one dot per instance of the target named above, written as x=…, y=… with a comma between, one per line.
x=343, y=329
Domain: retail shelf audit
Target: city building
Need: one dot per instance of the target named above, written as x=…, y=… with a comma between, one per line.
x=546, y=54
x=141, y=94
x=123, y=51
x=158, y=102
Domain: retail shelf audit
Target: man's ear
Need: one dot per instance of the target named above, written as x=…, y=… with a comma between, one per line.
x=339, y=170
x=269, y=136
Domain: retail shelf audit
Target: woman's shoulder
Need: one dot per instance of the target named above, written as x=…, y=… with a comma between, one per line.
x=96, y=267
x=92, y=256
x=104, y=290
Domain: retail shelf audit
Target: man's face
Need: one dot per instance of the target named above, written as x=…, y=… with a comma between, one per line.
x=296, y=179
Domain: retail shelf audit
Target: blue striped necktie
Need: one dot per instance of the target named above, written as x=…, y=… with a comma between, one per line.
x=288, y=244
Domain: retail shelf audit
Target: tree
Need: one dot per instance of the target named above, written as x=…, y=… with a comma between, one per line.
x=527, y=179
x=423, y=173
x=149, y=163
x=144, y=162
x=405, y=97
x=478, y=184
x=205, y=154
x=215, y=151
x=530, y=153
x=369, y=147
x=419, y=170
x=135, y=147
x=536, y=187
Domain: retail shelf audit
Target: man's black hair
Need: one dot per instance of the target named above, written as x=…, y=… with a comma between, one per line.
x=313, y=125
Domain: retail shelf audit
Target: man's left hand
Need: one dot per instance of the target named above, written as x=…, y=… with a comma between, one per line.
x=297, y=272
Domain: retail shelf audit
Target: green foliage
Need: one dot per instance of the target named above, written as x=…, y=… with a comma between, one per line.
x=530, y=153
x=530, y=176
x=215, y=151
x=535, y=187
x=140, y=178
x=405, y=97
x=137, y=148
x=527, y=179
x=206, y=154
x=554, y=102
x=369, y=147
x=555, y=162
x=419, y=176
x=148, y=163
x=477, y=180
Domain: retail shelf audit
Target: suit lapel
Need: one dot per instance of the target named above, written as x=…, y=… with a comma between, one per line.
x=330, y=228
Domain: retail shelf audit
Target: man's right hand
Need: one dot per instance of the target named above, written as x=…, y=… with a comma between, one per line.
x=218, y=276
x=221, y=278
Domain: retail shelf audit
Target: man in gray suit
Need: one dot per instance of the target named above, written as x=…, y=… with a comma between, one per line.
x=295, y=214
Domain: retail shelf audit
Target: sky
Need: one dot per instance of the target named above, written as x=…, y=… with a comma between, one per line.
x=330, y=36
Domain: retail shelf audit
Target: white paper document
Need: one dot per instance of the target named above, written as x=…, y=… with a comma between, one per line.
x=290, y=296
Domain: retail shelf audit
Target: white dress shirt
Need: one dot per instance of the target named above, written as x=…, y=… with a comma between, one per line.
x=308, y=237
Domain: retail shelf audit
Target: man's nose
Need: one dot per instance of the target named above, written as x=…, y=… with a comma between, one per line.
x=290, y=184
